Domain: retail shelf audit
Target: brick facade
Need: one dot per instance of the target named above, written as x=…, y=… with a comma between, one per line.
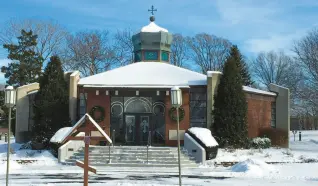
x=259, y=113
x=172, y=125
x=258, y=116
x=99, y=100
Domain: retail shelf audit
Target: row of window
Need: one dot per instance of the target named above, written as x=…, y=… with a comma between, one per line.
x=151, y=55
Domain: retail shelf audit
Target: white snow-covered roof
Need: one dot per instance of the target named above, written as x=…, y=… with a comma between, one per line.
x=145, y=75
x=58, y=136
x=153, y=27
x=204, y=135
x=254, y=90
x=62, y=134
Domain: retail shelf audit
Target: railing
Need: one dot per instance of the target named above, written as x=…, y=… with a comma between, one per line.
x=148, y=144
x=113, y=140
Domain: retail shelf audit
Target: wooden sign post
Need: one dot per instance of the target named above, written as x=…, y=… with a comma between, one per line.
x=88, y=128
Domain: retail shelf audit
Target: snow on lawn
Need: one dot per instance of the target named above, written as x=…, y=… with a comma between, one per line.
x=253, y=167
x=43, y=157
x=299, y=151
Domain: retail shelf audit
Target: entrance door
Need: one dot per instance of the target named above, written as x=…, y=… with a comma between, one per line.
x=137, y=127
x=130, y=129
x=144, y=128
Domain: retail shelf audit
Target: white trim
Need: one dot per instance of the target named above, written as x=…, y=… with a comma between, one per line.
x=133, y=86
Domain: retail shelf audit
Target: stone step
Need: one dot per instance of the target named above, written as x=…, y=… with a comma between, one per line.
x=134, y=156
x=133, y=147
x=137, y=165
x=134, y=162
x=131, y=157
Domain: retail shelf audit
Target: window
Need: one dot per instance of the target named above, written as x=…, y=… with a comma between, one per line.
x=198, y=112
x=151, y=55
x=82, y=104
x=273, y=116
x=164, y=56
x=137, y=56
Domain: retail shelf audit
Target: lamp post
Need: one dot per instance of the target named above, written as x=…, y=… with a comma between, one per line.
x=176, y=101
x=9, y=101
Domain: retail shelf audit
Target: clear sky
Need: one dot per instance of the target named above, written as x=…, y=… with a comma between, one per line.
x=254, y=25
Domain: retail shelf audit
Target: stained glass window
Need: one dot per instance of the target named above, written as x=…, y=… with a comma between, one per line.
x=151, y=55
x=164, y=56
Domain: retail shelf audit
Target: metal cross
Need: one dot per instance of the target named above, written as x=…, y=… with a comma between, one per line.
x=152, y=10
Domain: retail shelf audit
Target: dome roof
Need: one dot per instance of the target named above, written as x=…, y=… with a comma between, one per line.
x=153, y=27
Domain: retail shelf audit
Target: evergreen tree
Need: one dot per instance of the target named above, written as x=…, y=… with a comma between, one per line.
x=51, y=103
x=230, y=108
x=27, y=64
x=241, y=64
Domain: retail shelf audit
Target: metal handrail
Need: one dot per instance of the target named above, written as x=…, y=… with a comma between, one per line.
x=148, y=144
x=111, y=144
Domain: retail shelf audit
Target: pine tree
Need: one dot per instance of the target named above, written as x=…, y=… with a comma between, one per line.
x=230, y=108
x=241, y=64
x=27, y=64
x=51, y=103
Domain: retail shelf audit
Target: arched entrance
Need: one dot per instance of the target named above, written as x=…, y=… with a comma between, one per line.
x=135, y=118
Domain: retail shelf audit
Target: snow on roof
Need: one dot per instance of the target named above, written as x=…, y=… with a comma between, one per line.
x=254, y=90
x=62, y=134
x=146, y=74
x=153, y=27
x=204, y=135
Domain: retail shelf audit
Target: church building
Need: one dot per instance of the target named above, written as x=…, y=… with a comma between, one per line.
x=132, y=103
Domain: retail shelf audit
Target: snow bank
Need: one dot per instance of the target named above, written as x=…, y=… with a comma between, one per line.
x=204, y=135
x=13, y=166
x=59, y=135
x=253, y=167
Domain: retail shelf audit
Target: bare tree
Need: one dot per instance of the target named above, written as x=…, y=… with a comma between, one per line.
x=89, y=52
x=51, y=35
x=277, y=68
x=179, y=51
x=124, y=47
x=208, y=51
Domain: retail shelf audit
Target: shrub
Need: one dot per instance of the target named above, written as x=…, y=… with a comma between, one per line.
x=278, y=137
x=260, y=143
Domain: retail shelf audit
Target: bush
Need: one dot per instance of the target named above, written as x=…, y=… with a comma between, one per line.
x=278, y=137
x=260, y=143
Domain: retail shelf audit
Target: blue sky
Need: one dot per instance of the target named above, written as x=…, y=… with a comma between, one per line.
x=254, y=25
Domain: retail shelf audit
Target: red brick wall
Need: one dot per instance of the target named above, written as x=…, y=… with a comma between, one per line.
x=172, y=125
x=99, y=100
x=259, y=113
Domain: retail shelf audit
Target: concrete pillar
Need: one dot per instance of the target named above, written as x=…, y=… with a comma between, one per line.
x=213, y=80
x=22, y=133
x=282, y=108
x=73, y=80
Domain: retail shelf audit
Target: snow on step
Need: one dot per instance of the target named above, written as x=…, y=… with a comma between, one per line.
x=134, y=156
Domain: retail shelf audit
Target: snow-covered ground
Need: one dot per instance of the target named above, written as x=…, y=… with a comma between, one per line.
x=251, y=169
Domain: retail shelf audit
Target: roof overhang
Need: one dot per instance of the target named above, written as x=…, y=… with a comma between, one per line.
x=133, y=86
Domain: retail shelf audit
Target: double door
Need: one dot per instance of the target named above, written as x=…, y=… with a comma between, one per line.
x=137, y=128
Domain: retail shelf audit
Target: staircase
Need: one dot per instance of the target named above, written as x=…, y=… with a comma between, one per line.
x=133, y=156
